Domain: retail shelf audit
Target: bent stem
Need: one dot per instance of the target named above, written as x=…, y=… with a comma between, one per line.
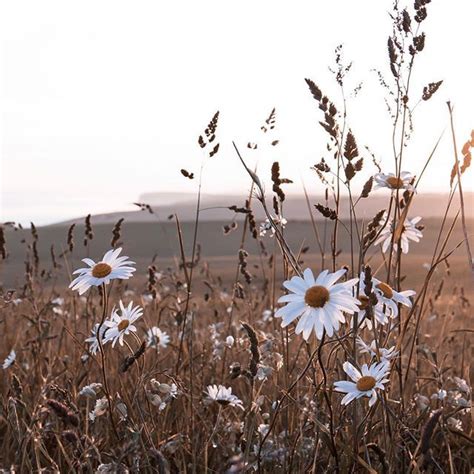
x=102, y=356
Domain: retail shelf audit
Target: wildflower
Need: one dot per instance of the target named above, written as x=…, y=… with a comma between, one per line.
x=364, y=383
x=100, y=408
x=410, y=232
x=267, y=315
x=161, y=393
x=90, y=390
x=441, y=394
x=267, y=226
x=122, y=324
x=157, y=338
x=263, y=429
x=223, y=396
x=111, y=267
x=391, y=298
x=454, y=423
x=422, y=402
x=385, y=354
x=165, y=389
x=462, y=385
x=10, y=360
x=264, y=372
x=93, y=341
x=378, y=313
x=391, y=181
x=229, y=341
x=320, y=302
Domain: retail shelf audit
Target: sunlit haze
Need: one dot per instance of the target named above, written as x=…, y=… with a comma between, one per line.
x=104, y=101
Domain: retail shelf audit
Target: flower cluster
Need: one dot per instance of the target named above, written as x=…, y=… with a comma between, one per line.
x=122, y=320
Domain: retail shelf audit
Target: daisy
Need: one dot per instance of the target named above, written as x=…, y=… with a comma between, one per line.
x=319, y=302
x=267, y=226
x=157, y=338
x=101, y=406
x=223, y=396
x=409, y=232
x=364, y=383
x=10, y=360
x=93, y=341
x=391, y=181
x=122, y=324
x=385, y=354
x=111, y=267
x=379, y=316
x=387, y=296
x=90, y=390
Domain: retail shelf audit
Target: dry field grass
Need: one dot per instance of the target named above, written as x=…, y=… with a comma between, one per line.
x=53, y=363
x=318, y=347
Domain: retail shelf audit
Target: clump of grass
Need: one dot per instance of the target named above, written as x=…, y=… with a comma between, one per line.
x=385, y=386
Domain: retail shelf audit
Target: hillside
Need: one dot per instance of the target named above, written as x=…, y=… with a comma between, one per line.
x=214, y=207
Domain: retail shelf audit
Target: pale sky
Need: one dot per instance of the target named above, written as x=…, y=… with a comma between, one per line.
x=104, y=100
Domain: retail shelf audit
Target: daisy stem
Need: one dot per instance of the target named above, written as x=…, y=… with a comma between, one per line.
x=102, y=356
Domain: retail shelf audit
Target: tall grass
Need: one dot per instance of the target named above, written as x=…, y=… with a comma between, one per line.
x=146, y=406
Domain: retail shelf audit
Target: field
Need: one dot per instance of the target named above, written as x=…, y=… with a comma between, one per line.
x=45, y=411
x=262, y=343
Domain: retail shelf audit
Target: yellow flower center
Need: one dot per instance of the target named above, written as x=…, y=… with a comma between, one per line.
x=364, y=302
x=367, y=382
x=316, y=296
x=394, y=182
x=123, y=325
x=101, y=270
x=386, y=290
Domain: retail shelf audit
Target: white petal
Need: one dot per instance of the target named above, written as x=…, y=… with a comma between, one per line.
x=344, y=386
x=308, y=277
x=296, y=285
x=351, y=371
x=292, y=297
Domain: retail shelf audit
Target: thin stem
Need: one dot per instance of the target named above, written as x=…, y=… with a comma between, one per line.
x=102, y=355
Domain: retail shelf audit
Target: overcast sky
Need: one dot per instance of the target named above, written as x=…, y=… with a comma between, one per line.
x=104, y=100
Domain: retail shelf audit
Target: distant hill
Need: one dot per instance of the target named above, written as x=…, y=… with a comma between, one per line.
x=214, y=207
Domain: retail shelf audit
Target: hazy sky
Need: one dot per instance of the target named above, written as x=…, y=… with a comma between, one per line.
x=104, y=100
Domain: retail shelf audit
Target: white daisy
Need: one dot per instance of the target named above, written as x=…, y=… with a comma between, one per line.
x=111, y=267
x=101, y=406
x=379, y=316
x=320, y=302
x=384, y=354
x=157, y=338
x=93, y=341
x=365, y=382
x=267, y=226
x=392, y=181
x=409, y=232
x=10, y=360
x=90, y=390
x=387, y=296
x=223, y=396
x=162, y=393
x=122, y=324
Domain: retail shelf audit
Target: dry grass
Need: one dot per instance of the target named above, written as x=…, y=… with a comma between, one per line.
x=142, y=407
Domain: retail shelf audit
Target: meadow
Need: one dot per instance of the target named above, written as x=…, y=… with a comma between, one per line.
x=256, y=344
